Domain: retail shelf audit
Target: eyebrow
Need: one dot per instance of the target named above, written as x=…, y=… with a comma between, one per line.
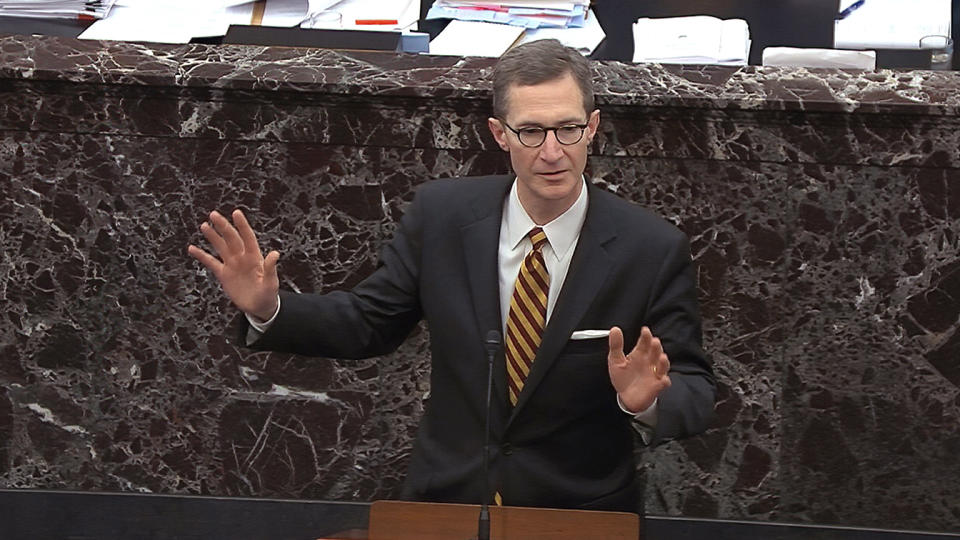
x=565, y=122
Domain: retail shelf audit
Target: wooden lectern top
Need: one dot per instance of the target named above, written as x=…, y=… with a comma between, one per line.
x=400, y=520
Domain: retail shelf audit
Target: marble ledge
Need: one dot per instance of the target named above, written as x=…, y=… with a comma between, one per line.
x=257, y=68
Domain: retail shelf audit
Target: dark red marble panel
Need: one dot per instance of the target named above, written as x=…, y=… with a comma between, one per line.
x=822, y=208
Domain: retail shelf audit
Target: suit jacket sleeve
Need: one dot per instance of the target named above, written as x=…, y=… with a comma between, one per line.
x=371, y=319
x=686, y=407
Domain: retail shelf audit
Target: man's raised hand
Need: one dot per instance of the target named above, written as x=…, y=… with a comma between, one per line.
x=640, y=376
x=247, y=278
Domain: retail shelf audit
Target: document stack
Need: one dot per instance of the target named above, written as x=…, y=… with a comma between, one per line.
x=83, y=10
x=691, y=40
x=524, y=13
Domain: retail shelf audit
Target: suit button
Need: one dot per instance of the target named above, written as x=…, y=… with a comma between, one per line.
x=506, y=449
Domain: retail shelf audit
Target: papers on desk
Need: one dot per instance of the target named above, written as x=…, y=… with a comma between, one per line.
x=584, y=39
x=56, y=9
x=699, y=39
x=891, y=24
x=179, y=21
x=387, y=15
x=525, y=13
x=165, y=22
x=472, y=38
x=819, y=58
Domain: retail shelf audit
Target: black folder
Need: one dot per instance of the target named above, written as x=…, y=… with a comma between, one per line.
x=309, y=37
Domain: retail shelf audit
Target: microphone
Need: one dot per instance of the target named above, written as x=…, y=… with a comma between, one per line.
x=492, y=344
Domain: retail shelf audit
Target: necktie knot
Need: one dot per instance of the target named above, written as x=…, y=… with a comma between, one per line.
x=538, y=237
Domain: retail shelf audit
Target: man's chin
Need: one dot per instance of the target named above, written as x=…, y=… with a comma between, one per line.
x=560, y=189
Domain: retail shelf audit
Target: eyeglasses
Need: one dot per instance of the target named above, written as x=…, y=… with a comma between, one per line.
x=532, y=137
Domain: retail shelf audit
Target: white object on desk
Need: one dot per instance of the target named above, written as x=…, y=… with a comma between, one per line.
x=404, y=12
x=471, y=38
x=584, y=39
x=891, y=24
x=170, y=21
x=525, y=13
x=819, y=58
x=56, y=9
x=700, y=39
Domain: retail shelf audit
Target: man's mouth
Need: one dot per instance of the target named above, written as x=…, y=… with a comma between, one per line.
x=552, y=173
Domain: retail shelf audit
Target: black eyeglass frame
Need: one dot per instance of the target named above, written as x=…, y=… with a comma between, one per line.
x=546, y=131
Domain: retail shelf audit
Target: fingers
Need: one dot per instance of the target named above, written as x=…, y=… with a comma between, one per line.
x=649, y=352
x=212, y=263
x=644, y=342
x=229, y=234
x=661, y=368
x=247, y=236
x=213, y=237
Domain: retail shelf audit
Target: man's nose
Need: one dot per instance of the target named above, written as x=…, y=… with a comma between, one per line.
x=551, y=149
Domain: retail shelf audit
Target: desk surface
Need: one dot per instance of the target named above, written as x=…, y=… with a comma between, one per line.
x=792, y=23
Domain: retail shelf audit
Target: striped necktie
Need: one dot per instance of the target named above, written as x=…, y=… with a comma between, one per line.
x=528, y=315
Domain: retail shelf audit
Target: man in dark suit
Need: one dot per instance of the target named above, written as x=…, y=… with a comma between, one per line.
x=463, y=258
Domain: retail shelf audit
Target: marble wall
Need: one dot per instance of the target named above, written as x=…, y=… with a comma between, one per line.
x=822, y=207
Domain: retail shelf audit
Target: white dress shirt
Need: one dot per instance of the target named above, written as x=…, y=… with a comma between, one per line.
x=562, y=236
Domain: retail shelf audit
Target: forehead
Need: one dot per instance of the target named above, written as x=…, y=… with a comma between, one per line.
x=547, y=103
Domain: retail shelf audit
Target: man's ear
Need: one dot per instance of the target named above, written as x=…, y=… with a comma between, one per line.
x=592, y=124
x=496, y=129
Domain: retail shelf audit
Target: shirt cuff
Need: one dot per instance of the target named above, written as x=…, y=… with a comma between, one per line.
x=257, y=328
x=644, y=421
x=647, y=416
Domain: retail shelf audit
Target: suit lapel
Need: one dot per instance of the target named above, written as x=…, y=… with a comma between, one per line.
x=587, y=273
x=481, y=237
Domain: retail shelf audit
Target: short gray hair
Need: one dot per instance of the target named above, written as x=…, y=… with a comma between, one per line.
x=538, y=62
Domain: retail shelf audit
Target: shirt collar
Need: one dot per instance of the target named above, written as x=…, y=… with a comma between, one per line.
x=561, y=233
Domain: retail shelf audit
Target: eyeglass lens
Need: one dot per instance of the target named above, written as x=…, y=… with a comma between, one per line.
x=535, y=136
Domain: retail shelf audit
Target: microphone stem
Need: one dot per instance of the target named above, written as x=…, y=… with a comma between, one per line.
x=483, y=526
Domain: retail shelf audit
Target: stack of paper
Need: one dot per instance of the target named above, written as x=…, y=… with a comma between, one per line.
x=584, y=39
x=691, y=40
x=57, y=9
x=174, y=21
x=525, y=13
x=892, y=24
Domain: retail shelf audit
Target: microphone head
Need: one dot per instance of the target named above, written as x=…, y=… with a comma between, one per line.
x=493, y=341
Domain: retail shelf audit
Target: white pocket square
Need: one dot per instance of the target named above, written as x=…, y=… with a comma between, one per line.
x=589, y=334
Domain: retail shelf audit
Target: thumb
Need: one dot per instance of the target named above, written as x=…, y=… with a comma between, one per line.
x=616, y=343
x=270, y=265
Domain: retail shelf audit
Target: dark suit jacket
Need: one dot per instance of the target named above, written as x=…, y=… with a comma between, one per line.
x=566, y=444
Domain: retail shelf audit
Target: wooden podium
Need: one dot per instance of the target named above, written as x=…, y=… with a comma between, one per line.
x=399, y=520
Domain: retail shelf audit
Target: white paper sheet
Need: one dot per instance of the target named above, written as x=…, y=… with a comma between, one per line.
x=891, y=24
x=819, y=58
x=471, y=38
x=166, y=22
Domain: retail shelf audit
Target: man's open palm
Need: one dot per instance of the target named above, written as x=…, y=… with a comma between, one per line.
x=640, y=375
x=247, y=278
